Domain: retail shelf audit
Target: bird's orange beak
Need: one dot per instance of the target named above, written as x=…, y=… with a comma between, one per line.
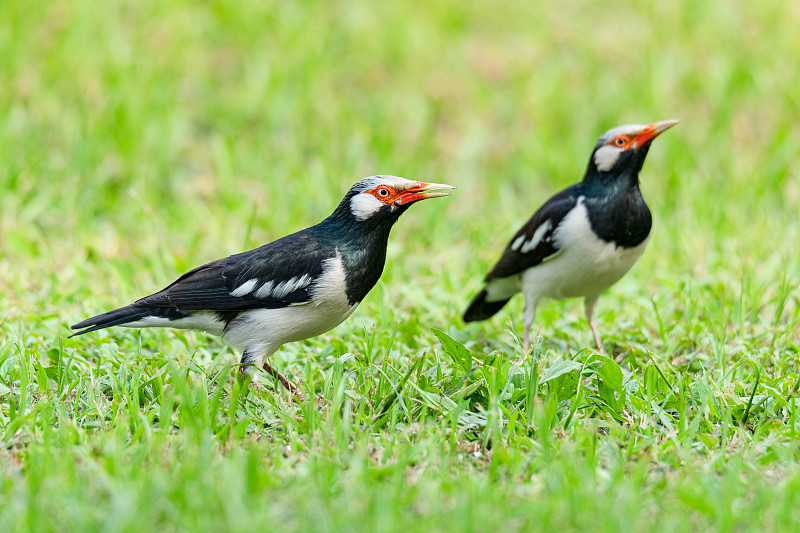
x=421, y=191
x=651, y=131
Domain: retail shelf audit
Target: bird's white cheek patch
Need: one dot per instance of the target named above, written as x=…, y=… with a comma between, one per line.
x=364, y=205
x=605, y=157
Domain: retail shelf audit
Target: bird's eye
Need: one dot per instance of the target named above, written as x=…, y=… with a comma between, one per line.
x=383, y=193
x=620, y=141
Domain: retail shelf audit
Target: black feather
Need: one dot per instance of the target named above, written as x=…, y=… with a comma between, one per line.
x=123, y=315
x=480, y=309
x=208, y=287
x=515, y=261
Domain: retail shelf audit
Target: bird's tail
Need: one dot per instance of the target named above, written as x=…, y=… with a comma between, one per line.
x=481, y=309
x=123, y=315
x=496, y=294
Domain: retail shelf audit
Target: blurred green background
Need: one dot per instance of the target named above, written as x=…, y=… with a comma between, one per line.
x=140, y=139
x=165, y=134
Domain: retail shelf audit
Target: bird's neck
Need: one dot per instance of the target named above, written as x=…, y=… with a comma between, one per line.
x=617, y=210
x=362, y=245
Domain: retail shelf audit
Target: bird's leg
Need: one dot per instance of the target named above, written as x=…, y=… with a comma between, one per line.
x=250, y=363
x=526, y=337
x=528, y=314
x=597, y=336
x=589, y=305
x=288, y=385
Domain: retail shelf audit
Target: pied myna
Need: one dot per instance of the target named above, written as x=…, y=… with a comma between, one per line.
x=583, y=239
x=291, y=289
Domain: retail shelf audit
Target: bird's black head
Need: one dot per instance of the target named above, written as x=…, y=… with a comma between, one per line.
x=620, y=152
x=361, y=223
x=380, y=200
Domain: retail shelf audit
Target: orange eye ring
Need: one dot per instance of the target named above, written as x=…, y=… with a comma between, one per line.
x=620, y=141
x=384, y=193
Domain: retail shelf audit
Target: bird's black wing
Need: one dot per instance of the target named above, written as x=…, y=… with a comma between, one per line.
x=275, y=275
x=534, y=242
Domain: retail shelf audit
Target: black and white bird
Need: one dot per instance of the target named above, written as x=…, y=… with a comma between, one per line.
x=296, y=287
x=583, y=239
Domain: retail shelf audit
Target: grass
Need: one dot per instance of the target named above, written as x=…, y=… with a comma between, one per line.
x=141, y=139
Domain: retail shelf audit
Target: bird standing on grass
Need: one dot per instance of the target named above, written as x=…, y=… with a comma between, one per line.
x=296, y=287
x=583, y=239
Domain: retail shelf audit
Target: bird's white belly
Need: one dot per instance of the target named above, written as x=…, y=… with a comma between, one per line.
x=270, y=328
x=585, y=266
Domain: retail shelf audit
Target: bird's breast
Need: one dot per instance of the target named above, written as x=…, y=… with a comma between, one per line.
x=585, y=264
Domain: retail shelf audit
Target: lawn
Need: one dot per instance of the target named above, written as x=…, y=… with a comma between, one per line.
x=140, y=139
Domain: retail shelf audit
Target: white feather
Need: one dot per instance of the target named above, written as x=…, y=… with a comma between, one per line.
x=265, y=290
x=500, y=289
x=200, y=320
x=245, y=288
x=537, y=236
x=364, y=205
x=605, y=157
x=290, y=285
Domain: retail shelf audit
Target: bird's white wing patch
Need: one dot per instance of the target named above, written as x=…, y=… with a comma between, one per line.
x=290, y=285
x=517, y=242
x=265, y=290
x=245, y=288
x=271, y=289
x=537, y=236
x=364, y=205
x=605, y=157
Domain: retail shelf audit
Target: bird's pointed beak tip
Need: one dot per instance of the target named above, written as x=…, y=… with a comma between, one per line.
x=430, y=186
x=432, y=192
x=664, y=125
x=653, y=130
x=423, y=191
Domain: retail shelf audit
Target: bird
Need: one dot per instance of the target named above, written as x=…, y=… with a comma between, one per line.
x=299, y=286
x=583, y=239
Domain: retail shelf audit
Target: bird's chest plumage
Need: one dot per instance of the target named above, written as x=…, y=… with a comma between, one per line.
x=586, y=264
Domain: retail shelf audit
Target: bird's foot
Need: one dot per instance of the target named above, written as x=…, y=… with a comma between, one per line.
x=600, y=348
x=526, y=340
x=527, y=346
x=527, y=343
x=297, y=394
